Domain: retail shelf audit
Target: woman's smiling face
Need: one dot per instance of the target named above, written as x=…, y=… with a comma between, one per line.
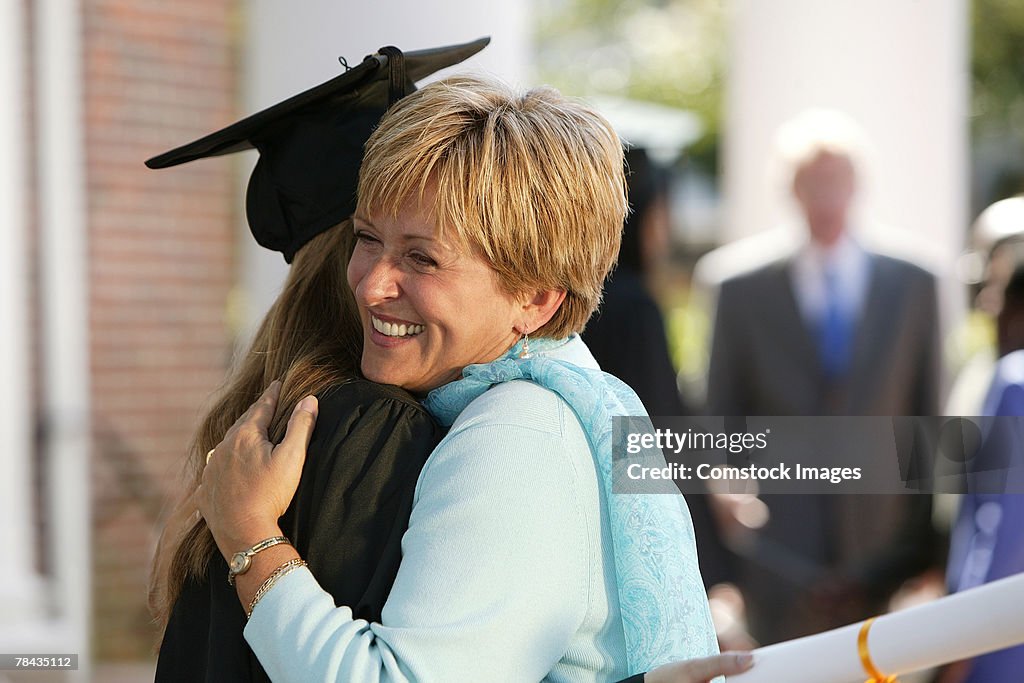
x=428, y=306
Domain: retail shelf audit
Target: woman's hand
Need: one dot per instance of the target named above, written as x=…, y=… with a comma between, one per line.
x=248, y=483
x=701, y=670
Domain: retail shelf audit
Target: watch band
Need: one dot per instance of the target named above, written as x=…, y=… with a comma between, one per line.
x=242, y=560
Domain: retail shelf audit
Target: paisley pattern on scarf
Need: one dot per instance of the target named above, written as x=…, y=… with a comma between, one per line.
x=661, y=595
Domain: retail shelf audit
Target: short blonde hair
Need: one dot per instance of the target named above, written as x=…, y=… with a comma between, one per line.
x=531, y=182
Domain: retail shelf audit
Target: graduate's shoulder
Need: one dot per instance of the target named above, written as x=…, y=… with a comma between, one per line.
x=361, y=403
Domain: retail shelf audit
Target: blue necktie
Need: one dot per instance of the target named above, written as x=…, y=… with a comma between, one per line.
x=835, y=331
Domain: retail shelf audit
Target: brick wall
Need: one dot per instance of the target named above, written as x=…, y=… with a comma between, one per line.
x=156, y=74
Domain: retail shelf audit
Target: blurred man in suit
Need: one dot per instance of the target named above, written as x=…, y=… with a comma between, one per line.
x=830, y=328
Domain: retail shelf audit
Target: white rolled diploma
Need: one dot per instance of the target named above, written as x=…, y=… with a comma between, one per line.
x=959, y=626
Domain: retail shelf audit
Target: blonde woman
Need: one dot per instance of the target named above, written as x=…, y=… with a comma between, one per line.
x=486, y=223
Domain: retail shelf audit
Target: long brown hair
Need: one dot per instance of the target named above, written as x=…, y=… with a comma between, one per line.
x=311, y=339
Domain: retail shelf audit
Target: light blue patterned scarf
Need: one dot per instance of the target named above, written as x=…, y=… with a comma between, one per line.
x=663, y=604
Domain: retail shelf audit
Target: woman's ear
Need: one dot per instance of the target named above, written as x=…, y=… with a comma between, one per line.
x=539, y=307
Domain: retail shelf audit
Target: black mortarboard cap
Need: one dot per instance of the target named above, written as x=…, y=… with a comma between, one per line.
x=311, y=145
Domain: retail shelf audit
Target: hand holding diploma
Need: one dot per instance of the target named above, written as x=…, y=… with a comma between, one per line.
x=701, y=670
x=959, y=626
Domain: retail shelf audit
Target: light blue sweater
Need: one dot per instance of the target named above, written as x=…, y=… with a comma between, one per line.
x=507, y=571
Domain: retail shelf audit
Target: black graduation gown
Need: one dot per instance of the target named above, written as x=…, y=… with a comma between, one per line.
x=346, y=520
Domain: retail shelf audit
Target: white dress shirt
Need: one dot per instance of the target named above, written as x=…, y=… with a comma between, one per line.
x=851, y=266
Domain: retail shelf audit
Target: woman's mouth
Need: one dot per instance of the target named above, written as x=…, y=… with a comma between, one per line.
x=395, y=329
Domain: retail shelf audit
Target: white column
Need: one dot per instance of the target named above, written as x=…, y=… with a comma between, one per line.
x=288, y=51
x=63, y=254
x=899, y=67
x=19, y=594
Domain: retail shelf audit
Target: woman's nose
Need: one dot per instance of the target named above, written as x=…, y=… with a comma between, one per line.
x=380, y=282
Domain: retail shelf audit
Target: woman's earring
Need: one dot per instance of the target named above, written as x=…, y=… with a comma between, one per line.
x=525, y=353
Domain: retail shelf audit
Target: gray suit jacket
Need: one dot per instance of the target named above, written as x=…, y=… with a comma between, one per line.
x=764, y=361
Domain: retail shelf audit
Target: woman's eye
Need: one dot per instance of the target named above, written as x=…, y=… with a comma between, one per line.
x=422, y=260
x=365, y=237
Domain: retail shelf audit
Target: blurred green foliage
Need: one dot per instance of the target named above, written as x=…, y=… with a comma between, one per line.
x=997, y=65
x=673, y=52
x=670, y=52
x=997, y=97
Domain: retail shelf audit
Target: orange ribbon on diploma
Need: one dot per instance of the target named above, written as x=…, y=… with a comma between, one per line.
x=874, y=675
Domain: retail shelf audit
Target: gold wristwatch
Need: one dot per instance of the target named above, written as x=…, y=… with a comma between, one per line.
x=242, y=560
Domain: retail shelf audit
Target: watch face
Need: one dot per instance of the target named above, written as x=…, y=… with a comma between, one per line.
x=239, y=563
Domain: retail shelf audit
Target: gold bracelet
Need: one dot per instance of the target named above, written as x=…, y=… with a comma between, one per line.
x=281, y=571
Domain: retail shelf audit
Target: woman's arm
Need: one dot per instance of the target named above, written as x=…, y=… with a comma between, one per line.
x=353, y=502
x=494, y=574
x=493, y=577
